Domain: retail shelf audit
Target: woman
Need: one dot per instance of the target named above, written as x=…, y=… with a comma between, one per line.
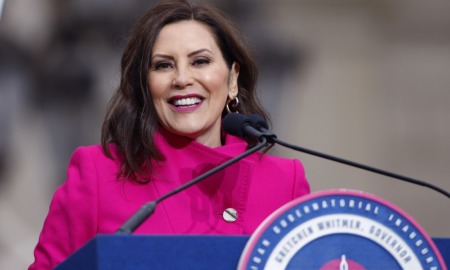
x=183, y=69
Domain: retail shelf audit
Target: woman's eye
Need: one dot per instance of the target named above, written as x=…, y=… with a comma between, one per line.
x=162, y=65
x=201, y=62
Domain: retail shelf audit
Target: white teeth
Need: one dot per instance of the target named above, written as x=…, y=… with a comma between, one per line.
x=187, y=101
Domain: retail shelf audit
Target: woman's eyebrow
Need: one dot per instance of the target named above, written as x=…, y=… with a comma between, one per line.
x=167, y=56
x=199, y=51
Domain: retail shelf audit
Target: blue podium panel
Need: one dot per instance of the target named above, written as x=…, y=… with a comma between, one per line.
x=126, y=252
x=136, y=252
x=443, y=244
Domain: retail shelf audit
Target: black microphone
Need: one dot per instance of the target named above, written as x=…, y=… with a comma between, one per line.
x=258, y=122
x=238, y=126
x=241, y=126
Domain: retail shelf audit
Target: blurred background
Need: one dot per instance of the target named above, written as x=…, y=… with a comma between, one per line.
x=365, y=80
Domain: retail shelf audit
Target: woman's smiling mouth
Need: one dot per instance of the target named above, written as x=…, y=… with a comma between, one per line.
x=190, y=101
x=185, y=103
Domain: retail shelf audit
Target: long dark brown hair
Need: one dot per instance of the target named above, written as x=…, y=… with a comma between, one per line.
x=131, y=118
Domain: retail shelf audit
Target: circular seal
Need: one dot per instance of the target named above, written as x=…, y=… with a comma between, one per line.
x=340, y=229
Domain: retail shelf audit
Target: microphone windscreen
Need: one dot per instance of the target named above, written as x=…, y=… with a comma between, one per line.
x=233, y=124
x=257, y=121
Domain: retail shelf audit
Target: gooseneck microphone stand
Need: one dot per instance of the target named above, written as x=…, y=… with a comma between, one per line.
x=258, y=122
x=147, y=209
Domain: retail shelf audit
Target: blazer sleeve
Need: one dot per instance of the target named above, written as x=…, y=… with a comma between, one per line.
x=301, y=184
x=72, y=216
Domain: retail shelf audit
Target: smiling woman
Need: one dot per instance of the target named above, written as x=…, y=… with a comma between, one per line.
x=183, y=66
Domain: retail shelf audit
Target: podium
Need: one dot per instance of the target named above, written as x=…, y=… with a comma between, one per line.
x=338, y=229
x=171, y=252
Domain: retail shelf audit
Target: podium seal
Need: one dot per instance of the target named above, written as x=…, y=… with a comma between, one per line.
x=340, y=229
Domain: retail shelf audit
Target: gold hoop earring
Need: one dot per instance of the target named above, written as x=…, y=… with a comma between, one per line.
x=233, y=103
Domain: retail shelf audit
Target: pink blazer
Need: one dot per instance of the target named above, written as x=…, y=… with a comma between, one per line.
x=94, y=201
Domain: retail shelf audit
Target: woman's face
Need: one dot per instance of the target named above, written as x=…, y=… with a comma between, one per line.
x=190, y=82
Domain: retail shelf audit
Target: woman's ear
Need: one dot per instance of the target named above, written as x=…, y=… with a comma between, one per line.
x=233, y=80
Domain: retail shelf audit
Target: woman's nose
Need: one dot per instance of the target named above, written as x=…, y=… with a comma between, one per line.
x=183, y=77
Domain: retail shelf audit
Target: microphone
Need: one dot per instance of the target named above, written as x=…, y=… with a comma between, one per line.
x=234, y=125
x=258, y=122
x=241, y=126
